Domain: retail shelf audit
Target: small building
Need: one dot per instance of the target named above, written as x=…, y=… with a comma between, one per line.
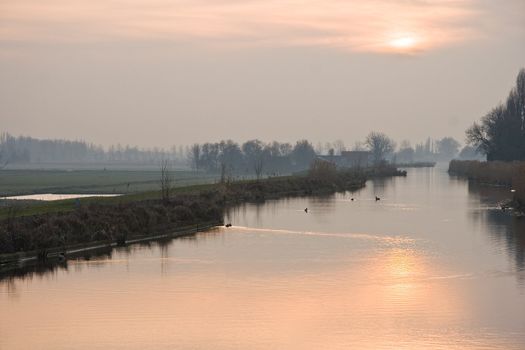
x=350, y=159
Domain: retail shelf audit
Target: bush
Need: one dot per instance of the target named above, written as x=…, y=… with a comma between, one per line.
x=322, y=170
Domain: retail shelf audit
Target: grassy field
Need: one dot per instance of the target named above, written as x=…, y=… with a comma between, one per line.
x=20, y=182
x=42, y=226
x=28, y=208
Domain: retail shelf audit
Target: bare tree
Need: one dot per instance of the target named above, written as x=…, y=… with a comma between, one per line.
x=166, y=180
x=358, y=146
x=501, y=133
x=380, y=145
x=258, y=165
x=3, y=158
x=339, y=147
x=226, y=172
x=194, y=155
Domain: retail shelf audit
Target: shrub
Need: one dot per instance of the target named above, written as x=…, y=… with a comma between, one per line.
x=323, y=170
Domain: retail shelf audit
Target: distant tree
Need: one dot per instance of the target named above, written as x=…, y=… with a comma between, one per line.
x=339, y=147
x=448, y=147
x=501, y=133
x=166, y=180
x=230, y=156
x=359, y=146
x=303, y=153
x=405, y=153
x=3, y=157
x=286, y=149
x=23, y=149
x=380, y=145
x=470, y=153
x=194, y=156
x=254, y=154
x=273, y=149
x=319, y=148
x=258, y=166
x=327, y=147
x=209, y=156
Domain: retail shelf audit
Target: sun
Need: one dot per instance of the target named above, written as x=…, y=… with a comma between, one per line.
x=403, y=42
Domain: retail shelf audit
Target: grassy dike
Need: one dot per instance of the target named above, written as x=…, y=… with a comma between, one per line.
x=46, y=229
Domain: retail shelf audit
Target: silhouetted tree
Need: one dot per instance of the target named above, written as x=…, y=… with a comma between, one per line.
x=469, y=153
x=405, y=153
x=448, y=147
x=339, y=147
x=380, y=145
x=303, y=153
x=253, y=153
x=194, y=156
x=501, y=133
x=231, y=155
x=166, y=180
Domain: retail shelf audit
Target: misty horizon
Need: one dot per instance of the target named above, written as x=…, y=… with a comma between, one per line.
x=154, y=74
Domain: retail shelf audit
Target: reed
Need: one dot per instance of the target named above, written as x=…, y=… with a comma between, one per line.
x=511, y=174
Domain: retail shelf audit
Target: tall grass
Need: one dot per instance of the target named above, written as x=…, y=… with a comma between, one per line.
x=518, y=184
x=510, y=174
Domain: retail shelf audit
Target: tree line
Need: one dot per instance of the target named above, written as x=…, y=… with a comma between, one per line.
x=23, y=149
x=501, y=132
x=228, y=157
x=253, y=156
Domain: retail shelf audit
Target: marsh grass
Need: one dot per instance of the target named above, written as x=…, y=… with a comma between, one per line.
x=510, y=174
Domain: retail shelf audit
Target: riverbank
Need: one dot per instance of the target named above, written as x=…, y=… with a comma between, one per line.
x=508, y=174
x=30, y=261
x=416, y=165
x=120, y=220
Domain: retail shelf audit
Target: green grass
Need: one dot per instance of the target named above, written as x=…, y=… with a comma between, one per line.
x=143, y=185
x=20, y=182
x=28, y=208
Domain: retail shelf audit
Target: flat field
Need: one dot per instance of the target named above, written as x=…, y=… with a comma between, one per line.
x=21, y=182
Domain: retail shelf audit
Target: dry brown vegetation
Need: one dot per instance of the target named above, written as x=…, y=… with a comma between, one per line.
x=121, y=221
x=510, y=174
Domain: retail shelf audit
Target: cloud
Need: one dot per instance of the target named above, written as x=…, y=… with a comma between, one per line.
x=358, y=25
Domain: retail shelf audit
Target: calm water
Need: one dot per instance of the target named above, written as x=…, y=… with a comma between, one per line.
x=433, y=265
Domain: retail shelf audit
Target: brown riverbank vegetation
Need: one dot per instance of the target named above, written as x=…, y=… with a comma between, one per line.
x=118, y=222
x=510, y=174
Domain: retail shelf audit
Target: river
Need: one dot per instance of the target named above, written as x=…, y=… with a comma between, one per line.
x=434, y=264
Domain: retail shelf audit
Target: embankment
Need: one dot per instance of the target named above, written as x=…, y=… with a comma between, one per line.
x=120, y=222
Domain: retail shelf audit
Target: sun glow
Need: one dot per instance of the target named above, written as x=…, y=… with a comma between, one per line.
x=404, y=43
x=358, y=25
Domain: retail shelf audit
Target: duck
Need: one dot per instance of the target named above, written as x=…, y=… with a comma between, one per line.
x=306, y=210
x=228, y=225
x=377, y=198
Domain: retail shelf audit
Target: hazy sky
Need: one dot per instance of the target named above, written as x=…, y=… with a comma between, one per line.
x=159, y=72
